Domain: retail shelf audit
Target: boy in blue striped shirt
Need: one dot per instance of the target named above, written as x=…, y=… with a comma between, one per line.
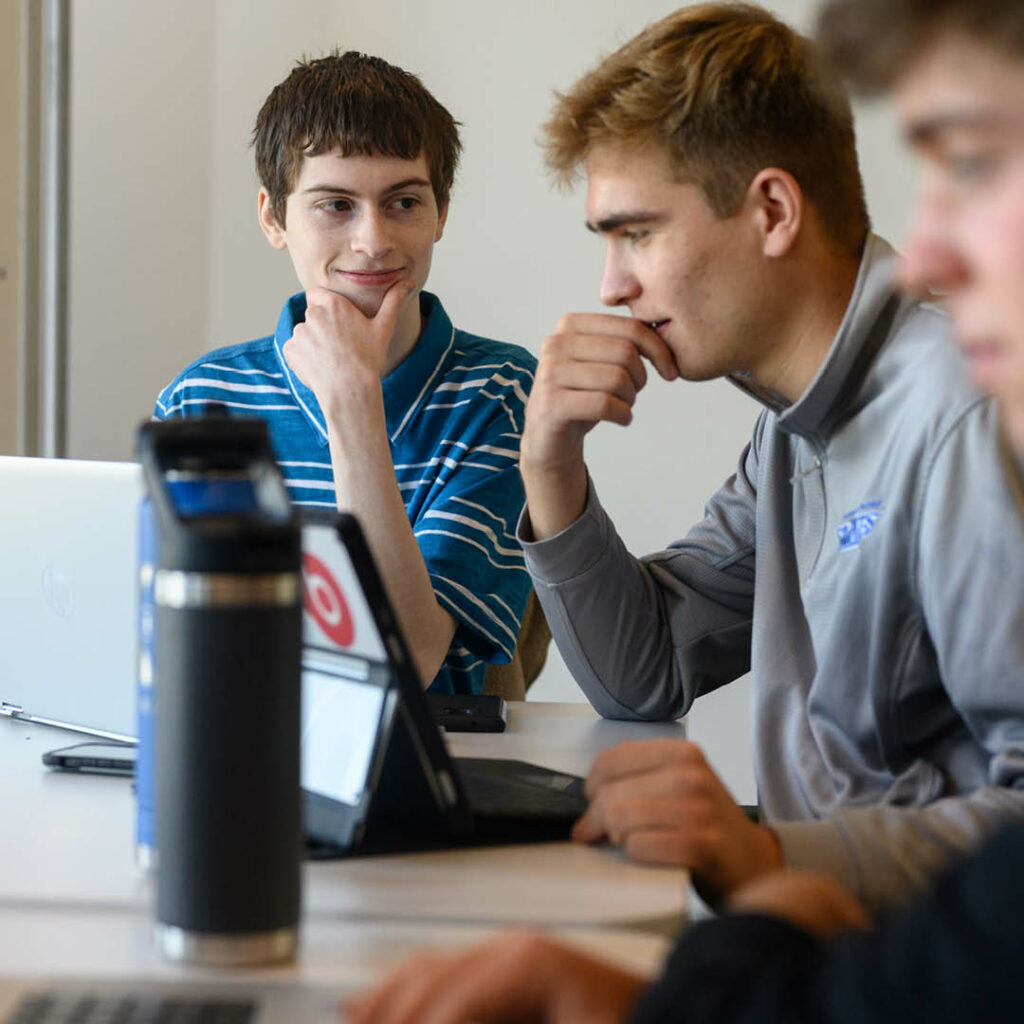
x=375, y=402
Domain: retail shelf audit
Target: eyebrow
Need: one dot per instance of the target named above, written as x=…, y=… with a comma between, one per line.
x=619, y=220
x=398, y=186
x=926, y=129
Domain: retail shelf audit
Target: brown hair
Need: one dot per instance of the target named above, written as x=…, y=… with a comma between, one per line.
x=871, y=41
x=359, y=105
x=724, y=90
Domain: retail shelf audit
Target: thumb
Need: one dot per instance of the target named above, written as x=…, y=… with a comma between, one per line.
x=391, y=305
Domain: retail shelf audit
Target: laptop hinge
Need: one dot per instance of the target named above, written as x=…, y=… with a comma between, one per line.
x=10, y=710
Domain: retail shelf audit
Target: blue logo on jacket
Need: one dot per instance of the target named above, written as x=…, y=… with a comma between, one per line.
x=856, y=525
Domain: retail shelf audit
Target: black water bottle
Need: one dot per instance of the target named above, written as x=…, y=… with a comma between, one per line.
x=227, y=602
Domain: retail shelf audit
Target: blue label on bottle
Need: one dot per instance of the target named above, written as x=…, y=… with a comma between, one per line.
x=145, y=694
x=220, y=494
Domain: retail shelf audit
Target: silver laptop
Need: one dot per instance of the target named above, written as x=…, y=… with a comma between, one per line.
x=68, y=602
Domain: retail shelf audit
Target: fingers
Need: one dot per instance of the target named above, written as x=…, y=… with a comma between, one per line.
x=562, y=354
x=639, y=758
x=404, y=992
x=339, y=348
x=669, y=847
x=582, y=379
x=590, y=371
x=498, y=980
x=661, y=803
x=326, y=306
x=515, y=976
x=646, y=340
x=616, y=817
x=813, y=902
x=625, y=779
x=391, y=305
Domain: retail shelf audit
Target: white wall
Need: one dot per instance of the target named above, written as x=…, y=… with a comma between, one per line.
x=167, y=259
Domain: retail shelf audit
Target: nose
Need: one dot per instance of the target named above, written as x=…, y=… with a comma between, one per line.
x=370, y=236
x=619, y=285
x=930, y=266
x=931, y=261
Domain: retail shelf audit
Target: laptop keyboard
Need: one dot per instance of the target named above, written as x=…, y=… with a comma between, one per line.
x=61, y=1008
x=512, y=789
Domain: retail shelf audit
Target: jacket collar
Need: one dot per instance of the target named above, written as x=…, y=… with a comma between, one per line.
x=873, y=308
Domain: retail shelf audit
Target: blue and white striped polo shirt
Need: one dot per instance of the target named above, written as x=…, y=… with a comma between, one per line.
x=455, y=409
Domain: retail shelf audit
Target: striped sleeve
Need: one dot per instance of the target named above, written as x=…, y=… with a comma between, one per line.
x=466, y=528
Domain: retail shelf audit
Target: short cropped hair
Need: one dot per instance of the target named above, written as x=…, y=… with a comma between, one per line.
x=359, y=105
x=870, y=42
x=724, y=90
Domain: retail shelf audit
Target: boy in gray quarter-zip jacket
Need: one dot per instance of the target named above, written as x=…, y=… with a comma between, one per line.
x=858, y=563
x=854, y=563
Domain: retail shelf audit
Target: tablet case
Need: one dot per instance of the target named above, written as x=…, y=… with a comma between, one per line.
x=416, y=793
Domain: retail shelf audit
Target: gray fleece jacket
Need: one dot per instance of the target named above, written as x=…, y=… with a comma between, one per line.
x=866, y=564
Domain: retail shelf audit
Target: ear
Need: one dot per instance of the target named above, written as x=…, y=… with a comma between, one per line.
x=268, y=222
x=778, y=205
x=442, y=219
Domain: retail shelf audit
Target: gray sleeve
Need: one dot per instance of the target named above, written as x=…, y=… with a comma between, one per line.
x=644, y=637
x=969, y=571
x=885, y=855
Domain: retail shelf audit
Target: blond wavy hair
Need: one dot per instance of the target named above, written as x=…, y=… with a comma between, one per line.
x=724, y=90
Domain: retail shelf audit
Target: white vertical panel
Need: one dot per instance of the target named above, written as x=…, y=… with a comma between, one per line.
x=10, y=274
x=141, y=136
x=51, y=345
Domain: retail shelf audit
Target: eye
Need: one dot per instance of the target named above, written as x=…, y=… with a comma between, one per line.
x=406, y=203
x=334, y=206
x=970, y=167
x=634, y=236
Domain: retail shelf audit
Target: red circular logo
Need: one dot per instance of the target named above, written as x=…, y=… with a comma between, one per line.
x=326, y=603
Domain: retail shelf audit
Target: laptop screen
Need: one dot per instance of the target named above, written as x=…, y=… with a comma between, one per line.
x=68, y=609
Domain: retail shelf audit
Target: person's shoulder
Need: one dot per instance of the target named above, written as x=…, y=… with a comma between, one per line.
x=923, y=327
x=247, y=355
x=939, y=418
x=246, y=360
x=479, y=352
x=924, y=365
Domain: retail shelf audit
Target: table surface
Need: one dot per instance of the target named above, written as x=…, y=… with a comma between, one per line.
x=72, y=899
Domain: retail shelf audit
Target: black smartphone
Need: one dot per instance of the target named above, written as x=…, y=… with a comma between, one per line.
x=473, y=713
x=99, y=758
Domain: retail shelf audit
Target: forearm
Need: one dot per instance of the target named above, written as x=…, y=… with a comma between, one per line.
x=602, y=610
x=365, y=485
x=886, y=855
x=555, y=498
x=635, y=636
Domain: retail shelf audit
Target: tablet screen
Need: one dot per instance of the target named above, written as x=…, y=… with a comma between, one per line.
x=341, y=720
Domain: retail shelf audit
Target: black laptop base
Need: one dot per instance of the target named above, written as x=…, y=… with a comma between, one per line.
x=508, y=804
x=416, y=796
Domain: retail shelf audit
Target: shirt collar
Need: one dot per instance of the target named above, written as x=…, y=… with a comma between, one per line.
x=405, y=388
x=866, y=324
x=410, y=384
x=1014, y=464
